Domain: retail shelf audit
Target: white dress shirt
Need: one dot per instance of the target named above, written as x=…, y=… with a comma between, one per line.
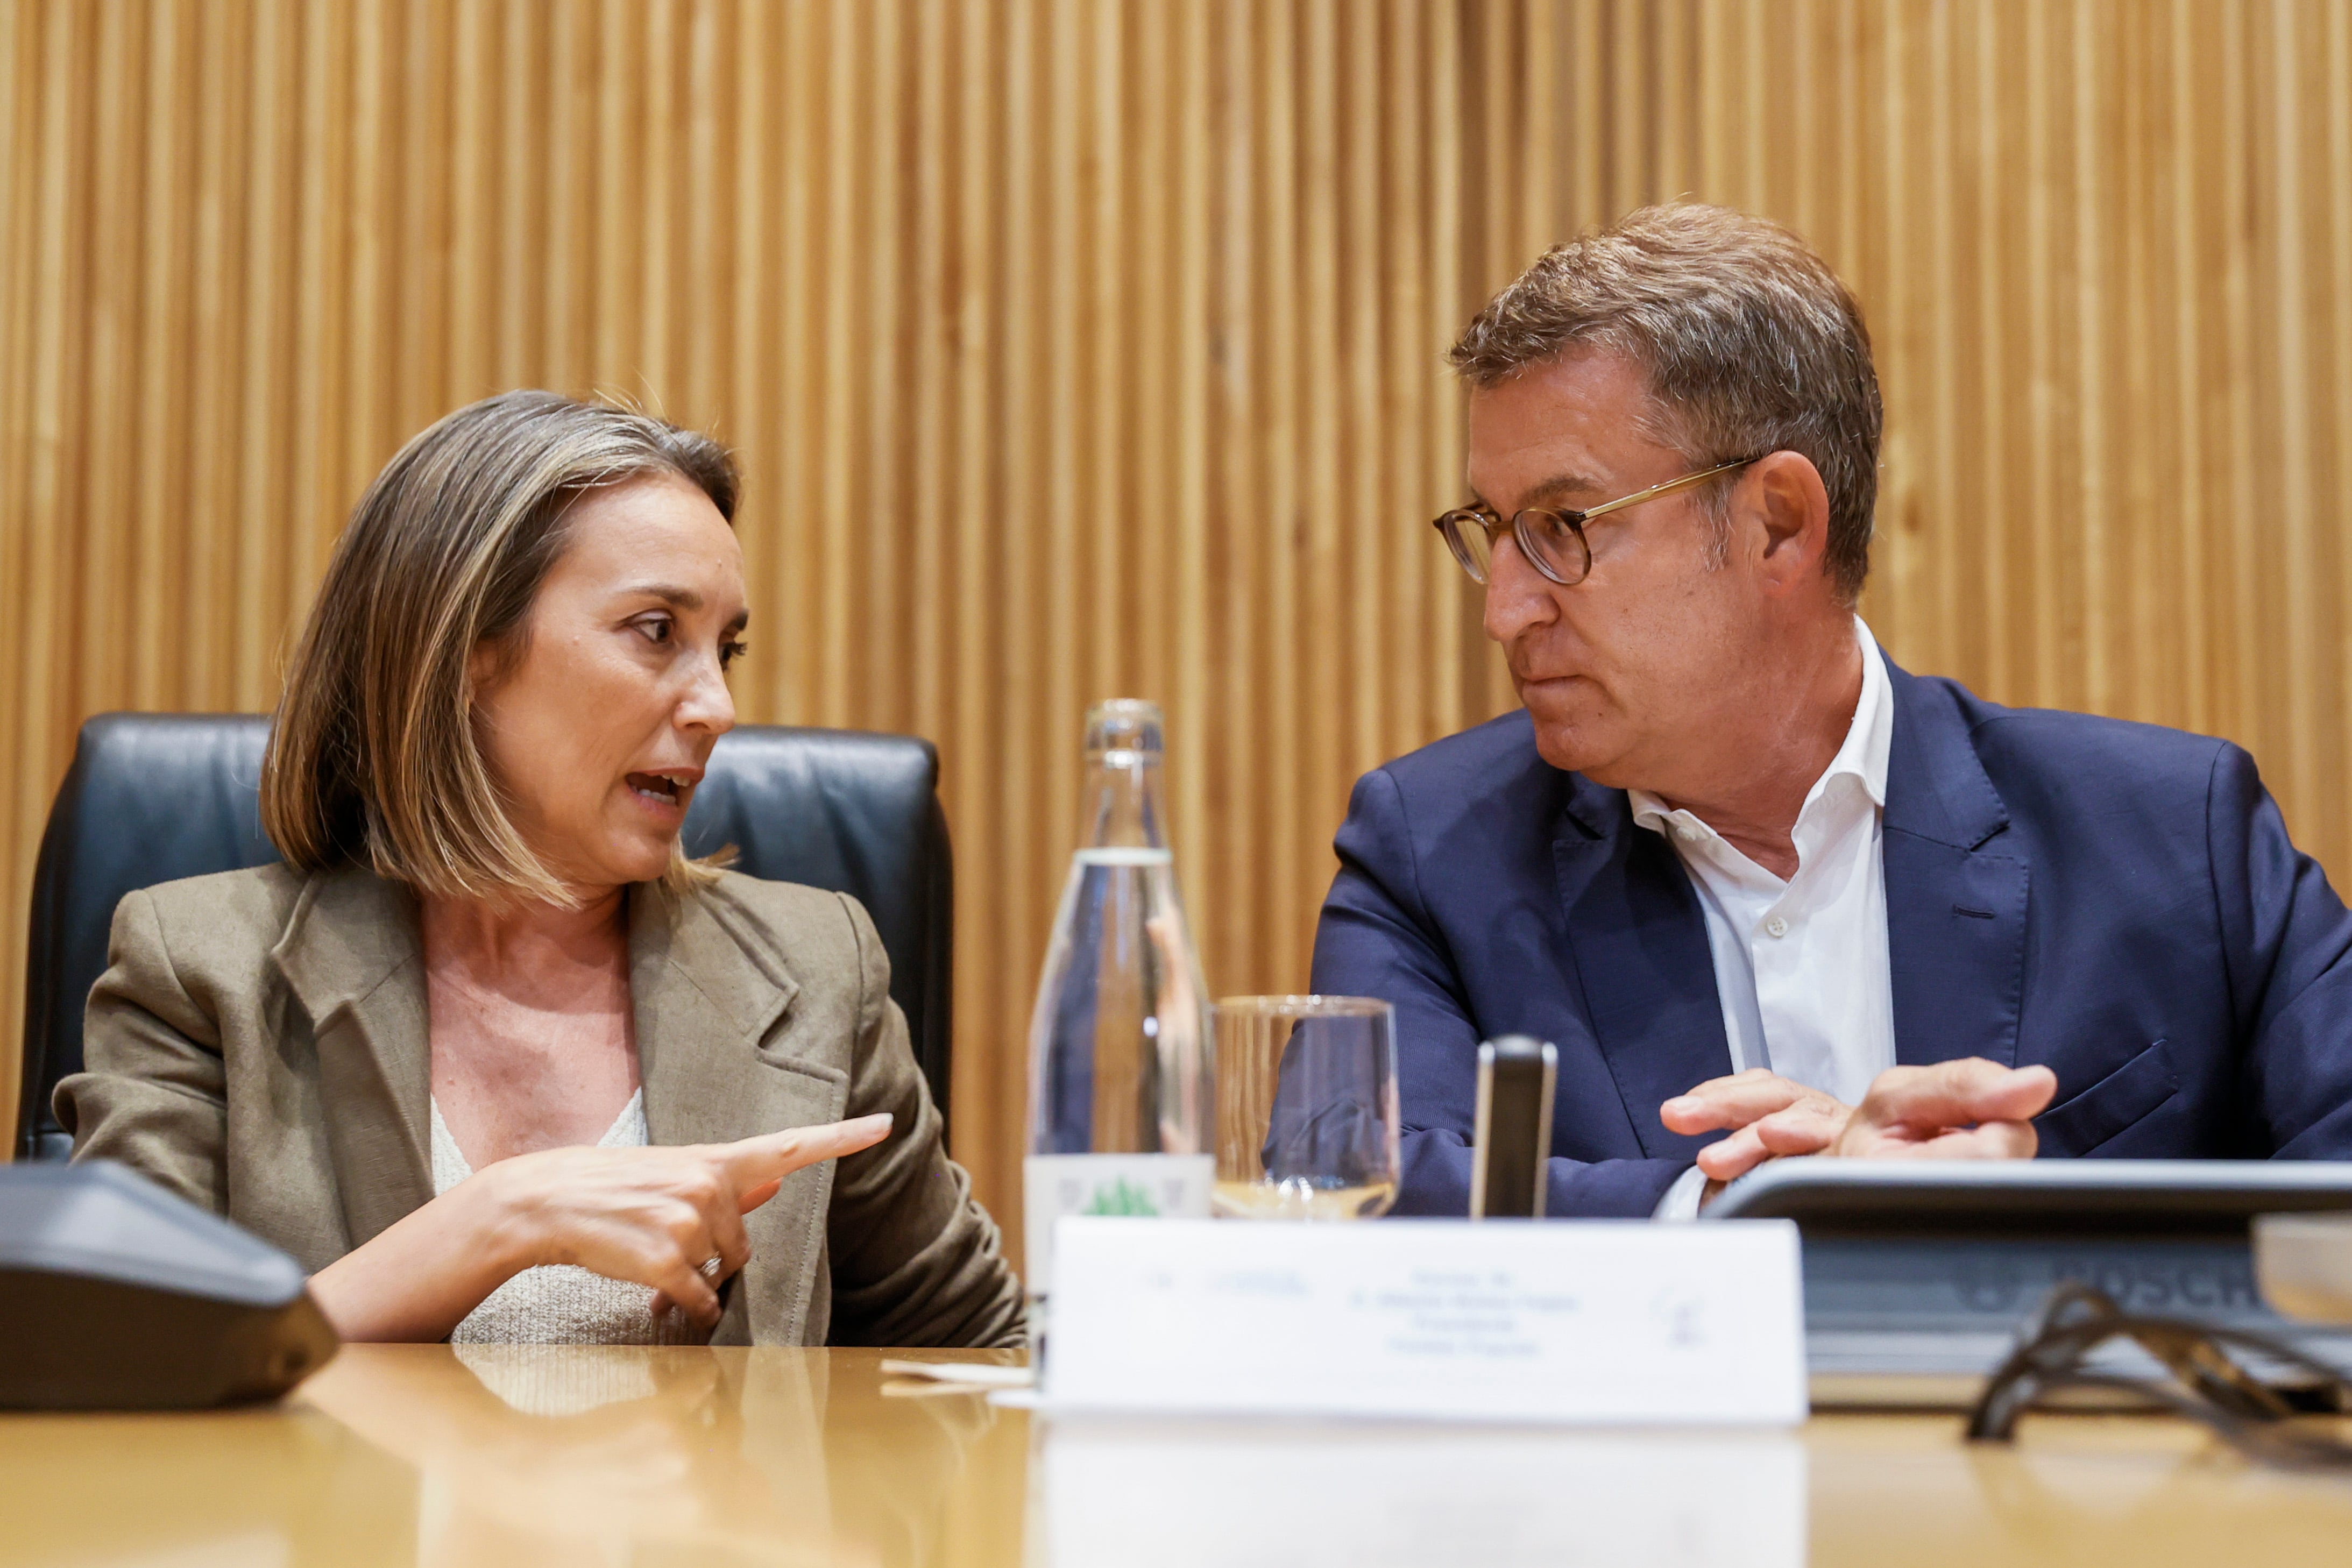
x=1801, y=965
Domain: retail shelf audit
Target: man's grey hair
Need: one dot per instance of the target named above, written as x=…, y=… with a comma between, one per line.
x=1751, y=343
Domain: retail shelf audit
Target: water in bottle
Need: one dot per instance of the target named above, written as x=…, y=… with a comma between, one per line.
x=1120, y=1087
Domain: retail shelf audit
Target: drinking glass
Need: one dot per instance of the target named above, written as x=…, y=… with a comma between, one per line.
x=1307, y=1108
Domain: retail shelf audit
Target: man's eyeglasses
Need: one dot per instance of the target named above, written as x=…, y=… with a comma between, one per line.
x=2210, y=1380
x=1553, y=539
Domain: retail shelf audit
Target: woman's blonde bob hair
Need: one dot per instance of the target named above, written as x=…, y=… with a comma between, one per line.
x=373, y=759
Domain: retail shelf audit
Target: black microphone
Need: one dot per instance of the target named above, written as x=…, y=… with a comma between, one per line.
x=1513, y=1136
x=117, y=1295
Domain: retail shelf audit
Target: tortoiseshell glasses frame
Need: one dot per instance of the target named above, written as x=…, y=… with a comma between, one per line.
x=1551, y=538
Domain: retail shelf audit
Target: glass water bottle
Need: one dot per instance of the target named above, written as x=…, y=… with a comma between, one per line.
x=1120, y=1089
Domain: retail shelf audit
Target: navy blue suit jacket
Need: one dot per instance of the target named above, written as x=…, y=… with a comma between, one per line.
x=2115, y=901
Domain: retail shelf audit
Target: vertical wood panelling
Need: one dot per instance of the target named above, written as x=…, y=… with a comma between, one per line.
x=1078, y=349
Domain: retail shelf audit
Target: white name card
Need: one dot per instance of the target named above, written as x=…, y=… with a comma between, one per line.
x=1572, y=1321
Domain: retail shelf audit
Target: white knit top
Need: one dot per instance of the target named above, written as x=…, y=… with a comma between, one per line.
x=559, y=1303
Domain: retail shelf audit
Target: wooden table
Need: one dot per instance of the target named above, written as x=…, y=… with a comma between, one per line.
x=423, y=1455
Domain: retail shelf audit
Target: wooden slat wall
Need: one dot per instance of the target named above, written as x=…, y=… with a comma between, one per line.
x=1079, y=348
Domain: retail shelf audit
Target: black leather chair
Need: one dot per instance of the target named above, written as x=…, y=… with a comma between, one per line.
x=154, y=797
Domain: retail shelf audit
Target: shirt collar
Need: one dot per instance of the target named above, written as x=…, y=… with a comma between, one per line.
x=1870, y=736
x=1869, y=740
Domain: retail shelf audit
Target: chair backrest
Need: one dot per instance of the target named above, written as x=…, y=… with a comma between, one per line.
x=152, y=798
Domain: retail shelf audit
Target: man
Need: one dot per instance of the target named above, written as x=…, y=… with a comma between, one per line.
x=1768, y=894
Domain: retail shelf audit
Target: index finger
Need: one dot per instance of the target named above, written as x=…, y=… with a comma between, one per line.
x=772, y=1156
x=1732, y=1101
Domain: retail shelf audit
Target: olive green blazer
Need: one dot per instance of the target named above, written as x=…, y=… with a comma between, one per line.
x=258, y=1045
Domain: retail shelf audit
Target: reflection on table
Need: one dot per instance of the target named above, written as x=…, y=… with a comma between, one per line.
x=1375, y=1495
x=512, y=1454
x=425, y=1455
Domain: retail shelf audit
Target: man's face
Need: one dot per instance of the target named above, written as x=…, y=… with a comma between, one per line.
x=1623, y=671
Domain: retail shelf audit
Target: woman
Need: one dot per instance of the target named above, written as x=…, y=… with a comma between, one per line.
x=486, y=1053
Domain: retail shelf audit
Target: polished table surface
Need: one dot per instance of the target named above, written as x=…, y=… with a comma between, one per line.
x=520, y=1455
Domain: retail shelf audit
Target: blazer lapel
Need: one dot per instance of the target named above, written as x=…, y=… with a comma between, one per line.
x=1955, y=910
x=1643, y=959
x=350, y=957
x=703, y=1008
x=716, y=1054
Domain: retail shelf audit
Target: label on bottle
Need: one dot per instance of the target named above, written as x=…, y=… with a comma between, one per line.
x=1164, y=1186
x=1126, y=855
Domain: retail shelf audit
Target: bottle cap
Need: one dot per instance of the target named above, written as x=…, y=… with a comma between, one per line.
x=1123, y=724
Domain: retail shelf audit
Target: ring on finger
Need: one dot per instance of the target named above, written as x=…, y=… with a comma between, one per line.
x=708, y=1268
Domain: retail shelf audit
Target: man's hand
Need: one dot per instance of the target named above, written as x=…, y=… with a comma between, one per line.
x=1965, y=1109
x=1769, y=1115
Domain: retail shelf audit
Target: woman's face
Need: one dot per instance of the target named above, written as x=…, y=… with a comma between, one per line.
x=599, y=731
